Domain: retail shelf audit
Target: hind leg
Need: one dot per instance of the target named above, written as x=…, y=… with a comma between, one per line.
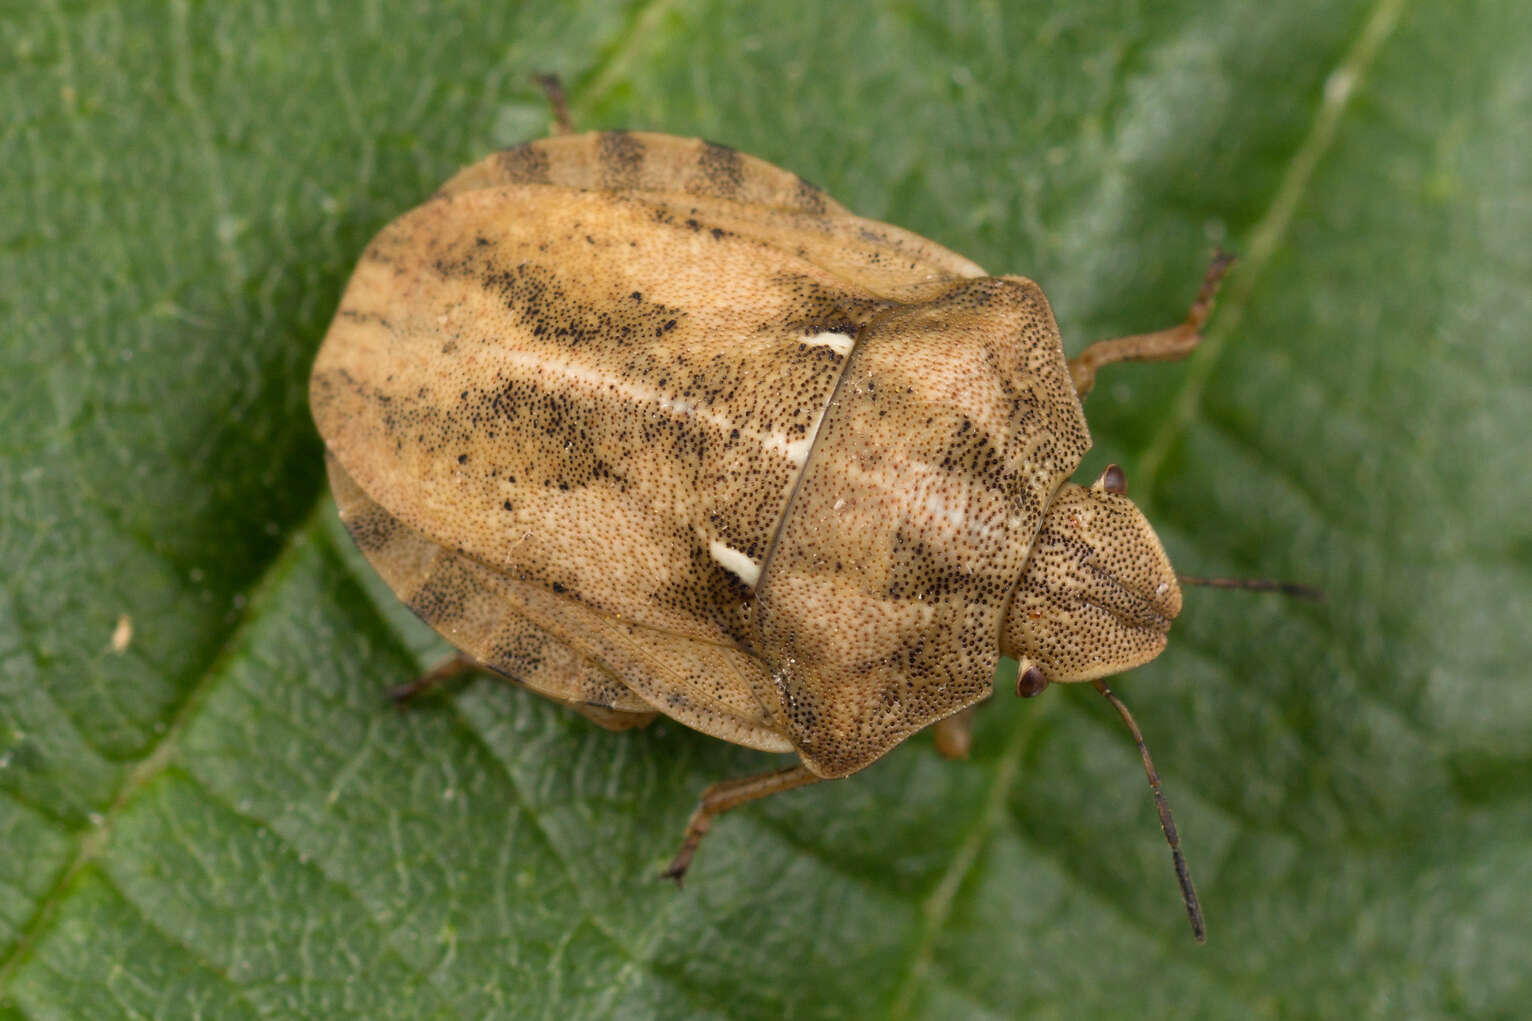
x=553, y=88
x=453, y=666
x=600, y=714
x=727, y=794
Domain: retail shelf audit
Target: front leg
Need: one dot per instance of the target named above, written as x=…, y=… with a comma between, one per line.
x=1160, y=346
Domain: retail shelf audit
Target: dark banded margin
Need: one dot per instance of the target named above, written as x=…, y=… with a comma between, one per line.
x=459, y=598
x=721, y=172
x=525, y=164
x=619, y=161
x=372, y=530
x=646, y=162
x=442, y=597
x=811, y=198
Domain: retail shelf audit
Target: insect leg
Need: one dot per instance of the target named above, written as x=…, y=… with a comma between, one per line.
x=453, y=666
x=1162, y=345
x=954, y=735
x=721, y=797
x=553, y=88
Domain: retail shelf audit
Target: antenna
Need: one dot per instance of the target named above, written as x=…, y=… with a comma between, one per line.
x=1167, y=824
x=1287, y=588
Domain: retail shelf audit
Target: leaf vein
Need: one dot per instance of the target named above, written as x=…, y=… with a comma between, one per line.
x=1271, y=230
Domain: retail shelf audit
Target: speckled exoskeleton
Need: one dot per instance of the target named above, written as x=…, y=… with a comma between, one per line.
x=653, y=426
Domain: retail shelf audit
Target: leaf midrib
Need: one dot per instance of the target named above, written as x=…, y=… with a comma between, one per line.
x=1266, y=237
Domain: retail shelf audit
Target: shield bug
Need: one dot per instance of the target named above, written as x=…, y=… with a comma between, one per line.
x=653, y=426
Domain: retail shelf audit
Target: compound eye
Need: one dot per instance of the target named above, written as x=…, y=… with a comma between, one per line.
x=1113, y=480
x=1031, y=682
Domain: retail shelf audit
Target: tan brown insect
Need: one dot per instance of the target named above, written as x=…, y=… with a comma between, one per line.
x=652, y=426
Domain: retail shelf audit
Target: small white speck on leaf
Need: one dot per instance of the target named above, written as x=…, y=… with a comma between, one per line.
x=122, y=634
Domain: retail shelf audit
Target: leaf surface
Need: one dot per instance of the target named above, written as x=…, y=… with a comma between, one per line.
x=226, y=819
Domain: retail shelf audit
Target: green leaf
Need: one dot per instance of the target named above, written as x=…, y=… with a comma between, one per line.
x=226, y=819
